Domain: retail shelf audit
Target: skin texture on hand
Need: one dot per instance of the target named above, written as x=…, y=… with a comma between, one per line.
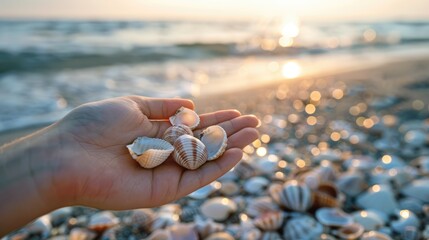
x=83, y=159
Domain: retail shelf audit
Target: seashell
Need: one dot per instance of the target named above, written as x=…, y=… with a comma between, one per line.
x=81, y=234
x=218, y=208
x=274, y=190
x=260, y=206
x=183, y=231
x=150, y=152
x=102, y=221
x=269, y=221
x=142, y=218
x=245, y=170
x=333, y=217
x=271, y=235
x=303, y=227
x=229, y=188
x=405, y=219
x=378, y=197
x=373, y=235
x=351, y=183
x=205, y=191
x=207, y=227
x=369, y=219
x=418, y=189
x=215, y=140
x=256, y=185
x=220, y=236
x=189, y=152
x=295, y=196
x=326, y=195
x=185, y=116
x=164, y=219
x=351, y=231
x=174, y=132
x=251, y=234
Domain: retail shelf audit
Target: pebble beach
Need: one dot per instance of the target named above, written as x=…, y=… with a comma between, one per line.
x=340, y=156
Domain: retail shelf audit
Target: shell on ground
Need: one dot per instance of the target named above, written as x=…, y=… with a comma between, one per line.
x=185, y=116
x=218, y=208
x=295, y=196
x=150, y=152
x=351, y=231
x=215, y=139
x=174, y=132
x=189, y=152
x=102, y=221
x=302, y=227
x=333, y=217
x=374, y=235
x=270, y=221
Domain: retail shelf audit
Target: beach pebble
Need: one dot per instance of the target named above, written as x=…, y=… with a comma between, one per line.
x=218, y=208
x=229, y=188
x=369, y=219
x=205, y=191
x=378, y=197
x=418, y=189
x=256, y=185
x=405, y=219
x=220, y=236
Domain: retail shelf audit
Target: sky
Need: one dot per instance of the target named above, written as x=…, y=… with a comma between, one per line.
x=318, y=10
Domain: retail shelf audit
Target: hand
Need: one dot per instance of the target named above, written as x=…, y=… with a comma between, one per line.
x=97, y=170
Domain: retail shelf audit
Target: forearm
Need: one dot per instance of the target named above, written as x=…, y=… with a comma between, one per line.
x=26, y=172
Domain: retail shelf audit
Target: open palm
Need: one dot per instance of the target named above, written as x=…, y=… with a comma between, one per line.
x=98, y=171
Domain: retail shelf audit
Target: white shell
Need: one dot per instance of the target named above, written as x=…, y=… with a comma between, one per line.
x=351, y=231
x=174, y=132
x=351, y=183
x=189, y=152
x=302, y=227
x=270, y=221
x=102, y=221
x=150, y=152
x=215, y=139
x=369, y=219
x=260, y=206
x=373, y=235
x=256, y=185
x=295, y=196
x=334, y=217
x=218, y=208
x=418, y=189
x=185, y=116
x=205, y=191
x=378, y=197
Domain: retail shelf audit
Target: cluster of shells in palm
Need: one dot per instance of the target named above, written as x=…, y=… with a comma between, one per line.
x=188, y=151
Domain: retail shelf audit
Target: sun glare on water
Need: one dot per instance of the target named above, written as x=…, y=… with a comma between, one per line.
x=291, y=70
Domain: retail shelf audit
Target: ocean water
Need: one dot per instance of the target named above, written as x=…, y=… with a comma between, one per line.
x=49, y=67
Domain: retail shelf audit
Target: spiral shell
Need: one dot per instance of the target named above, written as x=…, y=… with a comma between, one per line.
x=174, y=132
x=302, y=227
x=351, y=231
x=185, y=116
x=150, y=152
x=215, y=139
x=270, y=221
x=295, y=196
x=189, y=152
x=326, y=195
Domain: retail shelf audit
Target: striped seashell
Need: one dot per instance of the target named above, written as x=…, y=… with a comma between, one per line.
x=215, y=139
x=326, y=195
x=295, y=196
x=185, y=116
x=102, y=221
x=189, y=152
x=174, y=132
x=270, y=221
x=274, y=191
x=271, y=235
x=150, y=152
x=302, y=227
x=260, y=206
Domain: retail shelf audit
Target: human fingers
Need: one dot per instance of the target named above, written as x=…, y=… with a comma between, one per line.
x=209, y=119
x=236, y=124
x=160, y=108
x=242, y=138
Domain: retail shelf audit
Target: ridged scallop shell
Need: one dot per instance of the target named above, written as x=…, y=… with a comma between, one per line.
x=150, y=152
x=270, y=221
x=102, y=221
x=260, y=206
x=302, y=227
x=174, y=132
x=189, y=152
x=351, y=231
x=215, y=139
x=185, y=116
x=295, y=196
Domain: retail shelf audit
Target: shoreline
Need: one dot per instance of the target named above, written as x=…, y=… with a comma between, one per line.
x=389, y=78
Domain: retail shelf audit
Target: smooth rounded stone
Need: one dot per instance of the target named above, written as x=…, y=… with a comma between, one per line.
x=351, y=183
x=261, y=205
x=285, y=151
x=141, y=218
x=256, y=185
x=411, y=233
x=60, y=215
x=328, y=154
x=302, y=227
x=333, y=217
x=220, y=236
x=102, y=220
x=422, y=164
x=205, y=191
x=405, y=218
x=351, y=231
x=387, y=144
x=183, y=232
x=81, y=234
x=251, y=234
x=425, y=233
x=218, y=208
x=412, y=204
x=402, y=176
x=418, y=189
x=268, y=164
x=229, y=188
x=378, y=197
x=163, y=219
x=369, y=219
x=391, y=161
x=360, y=162
x=373, y=235
x=206, y=227
x=245, y=170
x=416, y=138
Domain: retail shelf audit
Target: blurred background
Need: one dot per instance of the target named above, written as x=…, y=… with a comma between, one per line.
x=55, y=55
